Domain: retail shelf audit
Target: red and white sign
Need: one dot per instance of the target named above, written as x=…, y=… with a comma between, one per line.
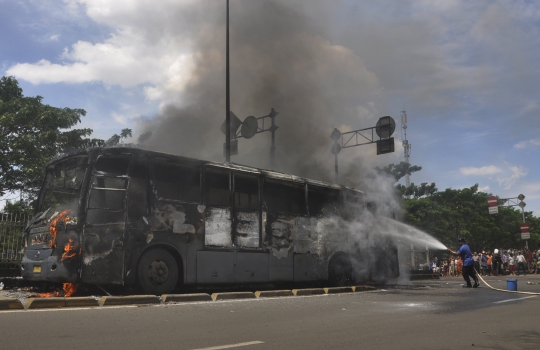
x=492, y=201
x=524, y=227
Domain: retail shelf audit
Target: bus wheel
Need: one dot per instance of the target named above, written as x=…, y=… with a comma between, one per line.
x=340, y=271
x=157, y=272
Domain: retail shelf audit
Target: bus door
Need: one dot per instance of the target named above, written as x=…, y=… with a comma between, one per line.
x=285, y=220
x=251, y=261
x=104, y=227
x=215, y=264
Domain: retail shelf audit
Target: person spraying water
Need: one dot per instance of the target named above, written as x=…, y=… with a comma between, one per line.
x=468, y=263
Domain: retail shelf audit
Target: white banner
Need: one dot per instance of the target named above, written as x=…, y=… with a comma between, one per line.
x=493, y=210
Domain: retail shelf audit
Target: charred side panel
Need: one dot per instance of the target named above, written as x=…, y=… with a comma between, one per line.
x=103, y=254
x=247, y=229
x=218, y=227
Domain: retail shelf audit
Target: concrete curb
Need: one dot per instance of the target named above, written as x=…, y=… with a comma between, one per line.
x=81, y=301
x=308, y=291
x=44, y=303
x=363, y=288
x=50, y=303
x=273, y=293
x=10, y=304
x=129, y=300
x=180, y=298
x=233, y=295
x=334, y=290
x=47, y=303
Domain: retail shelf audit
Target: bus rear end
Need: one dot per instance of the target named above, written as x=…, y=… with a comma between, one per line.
x=53, y=236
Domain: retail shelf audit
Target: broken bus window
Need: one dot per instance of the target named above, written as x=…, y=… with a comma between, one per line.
x=285, y=197
x=217, y=188
x=246, y=192
x=181, y=182
x=322, y=200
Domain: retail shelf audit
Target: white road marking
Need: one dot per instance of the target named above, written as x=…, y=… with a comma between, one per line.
x=231, y=345
x=507, y=300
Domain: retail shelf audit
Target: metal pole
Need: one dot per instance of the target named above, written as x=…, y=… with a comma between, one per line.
x=273, y=146
x=227, y=98
x=336, y=168
x=523, y=216
x=412, y=257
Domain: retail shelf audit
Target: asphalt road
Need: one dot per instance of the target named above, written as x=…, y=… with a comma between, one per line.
x=440, y=316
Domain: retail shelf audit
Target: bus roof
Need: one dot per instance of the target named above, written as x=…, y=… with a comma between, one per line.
x=232, y=166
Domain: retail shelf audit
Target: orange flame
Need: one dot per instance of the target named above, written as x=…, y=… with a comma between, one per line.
x=68, y=290
x=52, y=227
x=69, y=250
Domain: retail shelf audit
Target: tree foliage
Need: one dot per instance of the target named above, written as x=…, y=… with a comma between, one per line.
x=397, y=171
x=32, y=133
x=451, y=214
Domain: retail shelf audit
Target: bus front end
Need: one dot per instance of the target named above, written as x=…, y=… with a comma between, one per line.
x=52, y=238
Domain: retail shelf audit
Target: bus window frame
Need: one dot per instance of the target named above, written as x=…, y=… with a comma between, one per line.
x=103, y=174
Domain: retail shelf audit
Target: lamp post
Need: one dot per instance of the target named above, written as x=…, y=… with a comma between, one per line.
x=227, y=97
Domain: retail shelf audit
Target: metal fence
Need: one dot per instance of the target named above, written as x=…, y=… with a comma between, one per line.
x=11, y=241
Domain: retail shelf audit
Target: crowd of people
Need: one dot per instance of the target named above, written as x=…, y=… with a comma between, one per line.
x=487, y=263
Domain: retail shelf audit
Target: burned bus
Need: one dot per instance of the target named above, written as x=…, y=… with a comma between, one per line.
x=132, y=217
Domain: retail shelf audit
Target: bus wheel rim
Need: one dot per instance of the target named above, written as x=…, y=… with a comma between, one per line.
x=158, y=272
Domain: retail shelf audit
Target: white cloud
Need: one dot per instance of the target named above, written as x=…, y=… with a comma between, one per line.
x=526, y=144
x=124, y=119
x=485, y=170
x=483, y=189
x=142, y=49
x=517, y=173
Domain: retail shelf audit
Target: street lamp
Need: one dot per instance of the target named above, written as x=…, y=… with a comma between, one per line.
x=227, y=97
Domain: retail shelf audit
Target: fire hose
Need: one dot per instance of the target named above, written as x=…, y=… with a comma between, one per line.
x=503, y=290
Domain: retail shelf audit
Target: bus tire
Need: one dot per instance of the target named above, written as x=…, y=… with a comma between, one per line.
x=157, y=272
x=340, y=271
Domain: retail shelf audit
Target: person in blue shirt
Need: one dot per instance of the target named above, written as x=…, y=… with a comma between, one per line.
x=468, y=263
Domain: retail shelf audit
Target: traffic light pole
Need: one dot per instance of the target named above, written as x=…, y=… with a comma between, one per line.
x=385, y=144
x=336, y=167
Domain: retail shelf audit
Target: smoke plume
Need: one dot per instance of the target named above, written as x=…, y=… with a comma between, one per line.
x=279, y=59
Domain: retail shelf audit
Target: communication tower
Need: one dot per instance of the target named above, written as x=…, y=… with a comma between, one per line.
x=406, y=144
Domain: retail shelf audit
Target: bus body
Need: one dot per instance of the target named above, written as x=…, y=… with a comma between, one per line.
x=124, y=216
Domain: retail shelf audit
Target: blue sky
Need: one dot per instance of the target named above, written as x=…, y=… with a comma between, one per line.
x=467, y=73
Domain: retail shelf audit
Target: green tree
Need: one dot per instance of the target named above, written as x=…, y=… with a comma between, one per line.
x=397, y=171
x=32, y=133
x=117, y=139
x=451, y=214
